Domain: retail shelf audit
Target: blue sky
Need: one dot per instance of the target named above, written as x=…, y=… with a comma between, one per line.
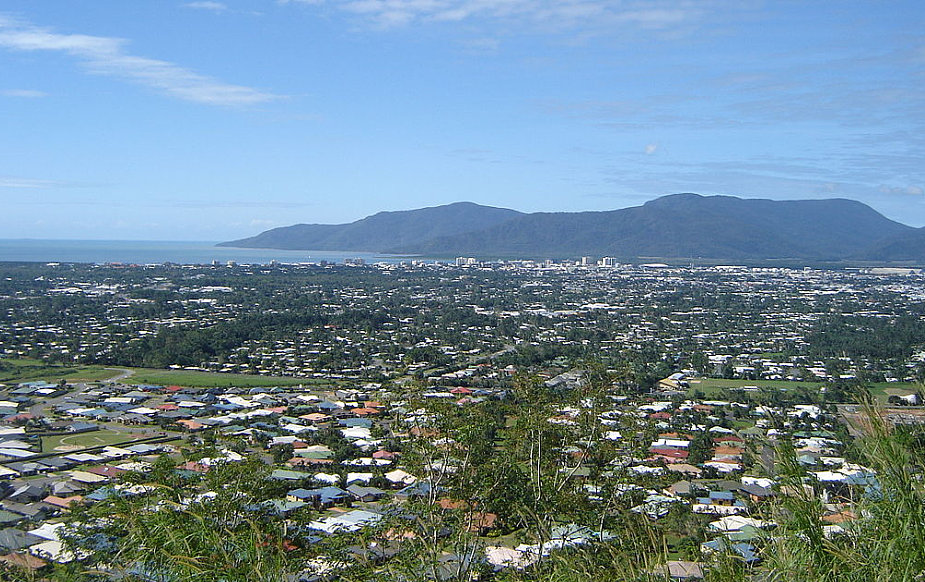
x=211, y=120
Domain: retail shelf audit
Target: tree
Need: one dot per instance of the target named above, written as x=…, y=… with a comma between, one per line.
x=282, y=453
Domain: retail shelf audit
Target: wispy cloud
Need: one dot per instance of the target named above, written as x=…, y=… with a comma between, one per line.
x=109, y=202
x=14, y=182
x=907, y=190
x=213, y=6
x=103, y=55
x=558, y=14
x=27, y=93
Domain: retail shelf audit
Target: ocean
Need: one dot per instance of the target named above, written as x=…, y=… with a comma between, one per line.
x=150, y=252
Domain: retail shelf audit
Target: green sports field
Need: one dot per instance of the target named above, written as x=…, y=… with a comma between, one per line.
x=25, y=370
x=713, y=386
x=82, y=440
x=194, y=378
x=15, y=371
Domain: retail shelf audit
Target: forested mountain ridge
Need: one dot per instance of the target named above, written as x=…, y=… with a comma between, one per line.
x=675, y=226
x=906, y=247
x=381, y=230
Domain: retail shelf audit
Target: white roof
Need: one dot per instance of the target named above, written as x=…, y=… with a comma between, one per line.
x=292, y=427
x=678, y=443
x=83, y=457
x=723, y=466
x=52, y=550
x=17, y=453
x=48, y=531
x=143, y=410
x=326, y=478
x=84, y=477
x=736, y=522
x=356, y=432
x=350, y=521
x=399, y=476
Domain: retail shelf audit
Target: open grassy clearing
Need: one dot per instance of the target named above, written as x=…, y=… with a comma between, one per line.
x=15, y=371
x=194, y=378
x=82, y=440
x=25, y=370
x=713, y=386
x=878, y=389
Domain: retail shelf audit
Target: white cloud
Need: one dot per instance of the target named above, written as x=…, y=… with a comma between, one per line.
x=651, y=148
x=482, y=44
x=908, y=190
x=8, y=182
x=213, y=6
x=649, y=14
x=108, y=56
x=29, y=93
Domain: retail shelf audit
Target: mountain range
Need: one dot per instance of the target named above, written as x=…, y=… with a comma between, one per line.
x=678, y=226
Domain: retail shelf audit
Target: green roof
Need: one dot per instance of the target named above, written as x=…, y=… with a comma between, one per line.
x=286, y=475
x=7, y=517
x=314, y=454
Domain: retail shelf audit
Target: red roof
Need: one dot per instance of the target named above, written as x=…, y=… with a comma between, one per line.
x=673, y=453
x=20, y=416
x=191, y=424
x=194, y=466
x=106, y=471
x=64, y=502
x=364, y=411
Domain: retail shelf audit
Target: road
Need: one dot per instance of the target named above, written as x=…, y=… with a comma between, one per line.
x=40, y=408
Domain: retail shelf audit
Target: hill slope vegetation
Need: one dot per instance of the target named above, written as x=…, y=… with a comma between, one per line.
x=674, y=226
x=382, y=230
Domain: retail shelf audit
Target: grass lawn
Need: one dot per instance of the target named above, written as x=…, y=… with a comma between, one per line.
x=195, y=379
x=86, y=439
x=15, y=371
x=512, y=539
x=713, y=385
x=878, y=389
x=25, y=370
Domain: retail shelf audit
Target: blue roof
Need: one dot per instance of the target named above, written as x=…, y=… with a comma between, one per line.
x=324, y=494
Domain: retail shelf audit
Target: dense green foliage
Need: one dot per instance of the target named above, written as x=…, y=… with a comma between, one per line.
x=382, y=231
x=684, y=226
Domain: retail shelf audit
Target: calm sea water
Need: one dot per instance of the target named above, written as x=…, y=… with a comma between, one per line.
x=147, y=252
